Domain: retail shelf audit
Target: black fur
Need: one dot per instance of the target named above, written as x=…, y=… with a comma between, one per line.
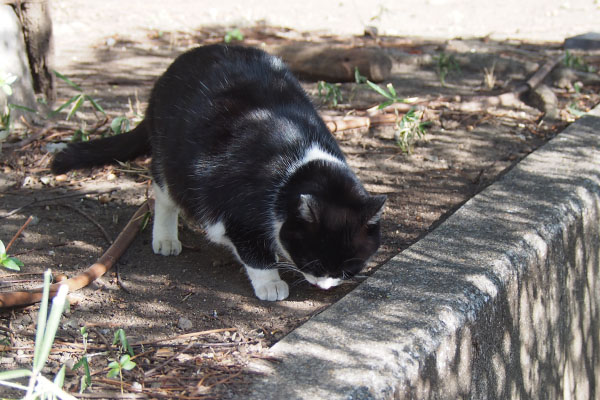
x=228, y=127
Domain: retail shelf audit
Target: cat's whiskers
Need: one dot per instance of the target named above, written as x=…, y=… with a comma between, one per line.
x=301, y=279
x=285, y=266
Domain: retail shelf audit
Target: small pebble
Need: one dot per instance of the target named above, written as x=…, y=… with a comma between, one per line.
x=184, y=324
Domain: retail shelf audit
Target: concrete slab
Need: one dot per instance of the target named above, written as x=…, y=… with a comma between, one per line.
x=587, y=41
x=501, y=301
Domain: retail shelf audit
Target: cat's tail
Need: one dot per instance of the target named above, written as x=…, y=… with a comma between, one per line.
x=123, y=147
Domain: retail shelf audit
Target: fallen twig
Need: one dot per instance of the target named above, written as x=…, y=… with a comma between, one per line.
x=92, y=220
x=104, y=263
x=21, y=229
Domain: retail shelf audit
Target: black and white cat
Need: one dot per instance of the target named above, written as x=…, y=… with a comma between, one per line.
x=237, y=145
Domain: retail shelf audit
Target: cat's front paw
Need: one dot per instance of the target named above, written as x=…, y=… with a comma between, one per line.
x=166, y=247
x=272, y=290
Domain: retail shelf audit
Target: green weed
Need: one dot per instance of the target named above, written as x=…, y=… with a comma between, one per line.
x=329, y=93
x=117, y=367
x=234, y=34
x=7, y=262
x=121, y=338
x=576, y=62
x=124, y=363
x=410, y=128
x=445, y=64
x=86, y=379
x=77, y=101
x=119, y=125
x=389, y=94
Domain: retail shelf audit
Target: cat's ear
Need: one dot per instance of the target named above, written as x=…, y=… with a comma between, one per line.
x=375, y=209
x=308, y=208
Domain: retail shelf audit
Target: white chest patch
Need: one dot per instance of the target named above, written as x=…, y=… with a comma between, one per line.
x=216, y=233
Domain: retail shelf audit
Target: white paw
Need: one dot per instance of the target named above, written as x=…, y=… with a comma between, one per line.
x=166, y=247
x=272, y=290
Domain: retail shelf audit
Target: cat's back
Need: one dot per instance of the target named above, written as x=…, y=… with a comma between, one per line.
x=209, y=74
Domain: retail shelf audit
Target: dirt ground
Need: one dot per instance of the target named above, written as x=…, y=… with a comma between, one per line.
x=204, y=289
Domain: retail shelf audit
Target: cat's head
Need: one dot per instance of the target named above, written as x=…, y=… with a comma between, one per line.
x=329, y=241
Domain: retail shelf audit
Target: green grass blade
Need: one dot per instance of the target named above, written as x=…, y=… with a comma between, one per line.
x=385, y=104
x=391, y=89
x=2, y=248
x=379, y=90
x=58, y=306
x=20, y=107
x=15, y=374
x=76, y=106
x=95, y=104
x=42, y=316
x=65, y=105
x=59, y=379
x=68, y=81
x=12, y=385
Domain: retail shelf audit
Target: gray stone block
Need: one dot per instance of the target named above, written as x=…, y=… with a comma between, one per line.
x=587, y=41
x=501, y=301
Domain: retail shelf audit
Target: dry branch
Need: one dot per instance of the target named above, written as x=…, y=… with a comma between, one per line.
x=104, y=263
x=21, y=229
x=387, y=115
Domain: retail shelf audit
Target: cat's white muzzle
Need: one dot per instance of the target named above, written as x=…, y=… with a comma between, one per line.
x=324, y=283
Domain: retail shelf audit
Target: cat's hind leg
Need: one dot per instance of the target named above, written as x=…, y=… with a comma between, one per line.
x=267, y=284
x=164, y=230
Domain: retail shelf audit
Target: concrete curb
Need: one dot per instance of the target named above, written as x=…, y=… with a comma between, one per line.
x=501, y=301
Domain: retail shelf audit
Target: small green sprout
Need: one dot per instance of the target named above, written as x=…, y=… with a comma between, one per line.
x=576, y=62
x=121, y=338
x=329, y=93
x=410, y=128
x=120, y=125
x=234, y=34
x=86, y=379
x=7, y=262
x=117, y=367
x=445, y=64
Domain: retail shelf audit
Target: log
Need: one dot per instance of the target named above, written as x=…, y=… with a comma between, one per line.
x=316, y=62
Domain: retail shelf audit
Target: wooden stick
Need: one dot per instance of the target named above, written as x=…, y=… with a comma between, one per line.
x=19, y=232
x=104, y=263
